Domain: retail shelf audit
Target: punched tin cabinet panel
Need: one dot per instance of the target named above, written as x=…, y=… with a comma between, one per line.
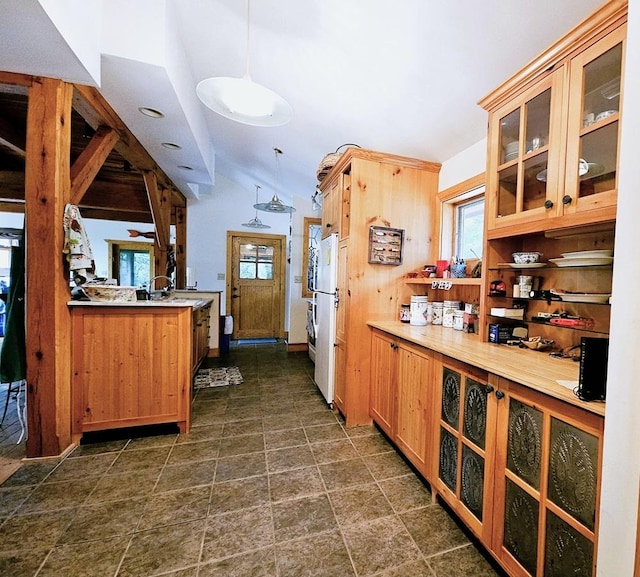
x=451, y=381
x=524, y=450
x=448, y=459
x=475, y=412
x=472, y=481
x=521, y=526
x=567, y=552
x=573, y=462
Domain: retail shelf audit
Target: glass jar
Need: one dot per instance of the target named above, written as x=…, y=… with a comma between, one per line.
x=436, y=311
x=405, y=313
x=448, y=310
x=458, y=320
x=418, y=310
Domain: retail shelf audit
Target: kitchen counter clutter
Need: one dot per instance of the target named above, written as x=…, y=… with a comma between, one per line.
x=533, y=369
x=168, y=302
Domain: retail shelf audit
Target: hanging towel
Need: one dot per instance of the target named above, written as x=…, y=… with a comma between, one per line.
x=77, y=246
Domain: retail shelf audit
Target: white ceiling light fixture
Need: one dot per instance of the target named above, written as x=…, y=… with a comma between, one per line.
x=275, y=204
x=242, y=99
x=256, y=222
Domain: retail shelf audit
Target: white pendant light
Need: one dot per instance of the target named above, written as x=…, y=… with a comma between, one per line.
x=275, y=204
x=242, y=99
x=256, y=222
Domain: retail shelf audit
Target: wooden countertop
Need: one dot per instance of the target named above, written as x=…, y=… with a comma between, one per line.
x=159, y=303
x=533, y=369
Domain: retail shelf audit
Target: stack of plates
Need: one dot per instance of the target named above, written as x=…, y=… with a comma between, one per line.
x=511, y=151
x=584, y=258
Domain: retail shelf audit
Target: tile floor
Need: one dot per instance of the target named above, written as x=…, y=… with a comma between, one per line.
x=267, y=483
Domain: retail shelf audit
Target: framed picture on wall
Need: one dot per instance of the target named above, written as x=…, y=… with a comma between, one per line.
x=385, y=245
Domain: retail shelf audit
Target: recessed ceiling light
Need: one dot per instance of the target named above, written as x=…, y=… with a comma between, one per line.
x=184, y=167
x=171, y=145
x=151, y=112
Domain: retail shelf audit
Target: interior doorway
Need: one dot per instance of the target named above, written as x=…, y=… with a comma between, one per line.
x=256, y=284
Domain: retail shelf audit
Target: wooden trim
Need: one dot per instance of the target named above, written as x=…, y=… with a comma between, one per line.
x=599, y=23
x=88, y=164
x=181, y=246
x=456, y=190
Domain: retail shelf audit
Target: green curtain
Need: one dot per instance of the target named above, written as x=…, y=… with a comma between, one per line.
x=13, y=358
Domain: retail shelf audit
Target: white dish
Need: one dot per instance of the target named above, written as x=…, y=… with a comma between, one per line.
x=597, y=261
x=586, y=298
x=605, y=114
x=527, y=265
x=587, y=254
x=592, y=169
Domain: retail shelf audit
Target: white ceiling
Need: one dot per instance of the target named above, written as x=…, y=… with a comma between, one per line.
x=400, y=76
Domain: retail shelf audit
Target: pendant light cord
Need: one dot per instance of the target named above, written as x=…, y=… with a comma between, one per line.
x=247, y=55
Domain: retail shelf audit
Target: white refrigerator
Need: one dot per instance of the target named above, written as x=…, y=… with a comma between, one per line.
x=325, y=302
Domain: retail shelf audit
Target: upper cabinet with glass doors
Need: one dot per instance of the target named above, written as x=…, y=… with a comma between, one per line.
x=553, y=132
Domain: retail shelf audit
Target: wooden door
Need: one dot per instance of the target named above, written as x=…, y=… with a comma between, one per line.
x=255, y=286
x=384, y=363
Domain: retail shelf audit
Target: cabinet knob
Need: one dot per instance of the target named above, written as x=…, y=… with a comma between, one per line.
x=499, y=395
x=566, y=199
x=548, y=204
x=488, y=389
x=328, y=225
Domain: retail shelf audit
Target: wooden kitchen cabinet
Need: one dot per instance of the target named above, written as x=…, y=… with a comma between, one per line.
x=201, y=324
x=554, y=130
x=372, y=189
x=546, y=484
x=402, y=396
x=465, y=443
x=130, y=366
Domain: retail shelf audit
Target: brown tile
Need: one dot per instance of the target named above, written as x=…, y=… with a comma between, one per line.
x=407, y=492
x=387, y=465
x=239, y=494
x=127, y=485
x=254, y=564
x=52, y=496
x=205, y=433
x=110, y=519
x=332, y=451
x=30, y=473
x=237, y=532
x=189, y=452
x=417, y=568
x=35, y=531
x=302, y=517
x=175, y=507
x=151, y=441
x=289, y=458
x=359, y=504
x=23, y=563
x=362, y=431
x=283, y=439
x=433, y=530
x=140, y=459
x=322, y=417
x=12, y=498
x=81, y=467
x=380, y=545
x=280, y=422
x=99, y=448
x=186, y=475
x=235, y=428
x=230, y=446
x=295, y=484
x=323, y=433
x=321, y=555
x=162, y=550
x=463, y=562
x=342, y=474
x=85, y=559
x=371, y=444
x=240, y=466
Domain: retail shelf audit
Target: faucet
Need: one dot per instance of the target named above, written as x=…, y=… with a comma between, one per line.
x=165, y=290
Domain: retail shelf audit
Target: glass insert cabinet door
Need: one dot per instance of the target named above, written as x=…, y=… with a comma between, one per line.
x=594, y=119
x=526, y=136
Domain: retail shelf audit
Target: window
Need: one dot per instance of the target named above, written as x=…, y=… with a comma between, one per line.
x=469, y=228
x=310, y=249
x=131, y=263
x=256, y=262
x=462, y=226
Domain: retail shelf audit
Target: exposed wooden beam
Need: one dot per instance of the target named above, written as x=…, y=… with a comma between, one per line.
x=158, y=211
x=87, y=165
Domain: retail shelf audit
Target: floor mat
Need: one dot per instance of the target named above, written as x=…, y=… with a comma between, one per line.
x=268, y=341
x=220, y=377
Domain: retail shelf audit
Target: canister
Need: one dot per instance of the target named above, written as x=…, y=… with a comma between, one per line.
x=418, y=310
x=448, y=310
x=526, y=284
x=405, y=313
x=458, y=320
x=436, y=310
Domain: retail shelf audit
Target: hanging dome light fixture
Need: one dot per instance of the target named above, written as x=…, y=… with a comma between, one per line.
x=275, y=204
x=242, y=99
x=256, y=222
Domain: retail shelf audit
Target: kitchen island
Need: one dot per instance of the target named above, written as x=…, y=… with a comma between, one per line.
x=133, y=362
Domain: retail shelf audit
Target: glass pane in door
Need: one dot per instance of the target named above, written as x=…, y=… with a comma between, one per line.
x=538, y=116
x=256, y=261
x=510, y=136
x=507, y=191
x=534, y=190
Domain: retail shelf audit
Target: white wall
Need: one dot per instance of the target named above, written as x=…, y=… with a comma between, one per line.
x=468, y=163
x=621, y=466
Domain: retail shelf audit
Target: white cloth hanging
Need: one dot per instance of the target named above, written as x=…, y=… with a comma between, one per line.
x=77, y=246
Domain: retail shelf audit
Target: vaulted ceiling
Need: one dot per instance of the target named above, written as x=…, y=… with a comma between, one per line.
x=401, y=77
